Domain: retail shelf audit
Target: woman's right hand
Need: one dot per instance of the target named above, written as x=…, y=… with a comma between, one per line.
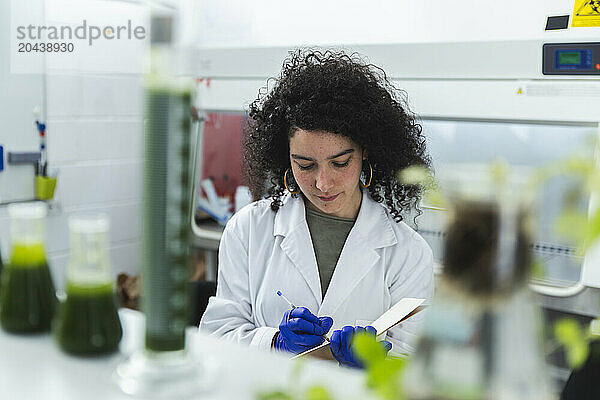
x=301, y=330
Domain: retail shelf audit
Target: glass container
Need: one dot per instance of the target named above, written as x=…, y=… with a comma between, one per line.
x=164, y=368
x=87, y=322
x=482, y=336
x=27, y=295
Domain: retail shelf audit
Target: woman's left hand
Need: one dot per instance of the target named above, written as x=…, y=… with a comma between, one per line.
x=341, y=344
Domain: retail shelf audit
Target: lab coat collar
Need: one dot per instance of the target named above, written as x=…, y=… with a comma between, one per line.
x=372, y=230
x=373, y=225
x=290, y=222
x=372, y=222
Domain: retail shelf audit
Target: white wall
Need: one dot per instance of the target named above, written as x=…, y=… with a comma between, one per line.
x=19, y=94
x=95, y=140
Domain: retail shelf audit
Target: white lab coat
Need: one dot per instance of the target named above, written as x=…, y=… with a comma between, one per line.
x=262, y=252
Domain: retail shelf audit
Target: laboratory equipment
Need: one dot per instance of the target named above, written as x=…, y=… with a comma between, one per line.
x=166, y=209
x=482, y=337
x=27, y=295
x=164, y=366
x=478, y=100
x=219, y=208
x=87, y=322
x=42, y=165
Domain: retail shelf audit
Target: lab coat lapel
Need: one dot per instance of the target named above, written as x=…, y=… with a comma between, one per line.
x=372, y=230
x=290, y=222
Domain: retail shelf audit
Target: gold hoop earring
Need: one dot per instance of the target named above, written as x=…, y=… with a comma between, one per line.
x=363, y=185
x=286, y=185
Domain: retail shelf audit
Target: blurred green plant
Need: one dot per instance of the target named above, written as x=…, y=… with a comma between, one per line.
x=577, y=226
x=384, y=374
x=575, y=339
x=422, y=176
x=582, y=228
x=293, y=392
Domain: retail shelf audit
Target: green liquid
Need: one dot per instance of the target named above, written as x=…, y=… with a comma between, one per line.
x=1, y=267
x=167, y=151
x=27, y=298
x=88, y=322
x=164, y=343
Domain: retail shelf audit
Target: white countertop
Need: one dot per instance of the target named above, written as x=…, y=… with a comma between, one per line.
x=33, y=367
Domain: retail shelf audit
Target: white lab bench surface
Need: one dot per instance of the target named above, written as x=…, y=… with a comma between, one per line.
x=32, y=367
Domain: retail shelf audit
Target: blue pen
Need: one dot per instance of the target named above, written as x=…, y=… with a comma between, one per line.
x=285, y=298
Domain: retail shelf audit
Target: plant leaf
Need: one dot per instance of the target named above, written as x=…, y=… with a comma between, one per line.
x=368, y=350
x=415, y=175
x=593, y=229
x=538, y=270
x=572, y=224
x=571, y=336
x=318, y=393
x=274, y=395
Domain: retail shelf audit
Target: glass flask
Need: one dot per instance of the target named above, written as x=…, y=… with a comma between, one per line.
x=482, y=337
x=27, y=295
x=87, y=322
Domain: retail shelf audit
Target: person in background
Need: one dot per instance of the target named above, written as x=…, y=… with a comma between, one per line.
x=326, y=141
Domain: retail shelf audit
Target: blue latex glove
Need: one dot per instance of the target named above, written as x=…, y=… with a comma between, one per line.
x=301, y=330
x=341, y=341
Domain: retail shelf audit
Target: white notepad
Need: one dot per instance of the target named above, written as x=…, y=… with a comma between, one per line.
x=401, y=311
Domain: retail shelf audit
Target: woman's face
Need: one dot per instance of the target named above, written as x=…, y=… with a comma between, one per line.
x=327, y=169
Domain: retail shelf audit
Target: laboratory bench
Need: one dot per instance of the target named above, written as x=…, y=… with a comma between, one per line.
x=33, y=367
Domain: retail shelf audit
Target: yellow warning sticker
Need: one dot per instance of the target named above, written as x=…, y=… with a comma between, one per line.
x=586, y=13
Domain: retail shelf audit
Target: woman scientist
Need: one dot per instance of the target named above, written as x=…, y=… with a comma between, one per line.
x=326, y=141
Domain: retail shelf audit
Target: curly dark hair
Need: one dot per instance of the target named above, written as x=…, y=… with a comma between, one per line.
x=338, y=93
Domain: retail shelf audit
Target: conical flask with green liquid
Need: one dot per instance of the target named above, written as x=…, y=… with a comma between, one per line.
x=87, y=322
x=27, y=295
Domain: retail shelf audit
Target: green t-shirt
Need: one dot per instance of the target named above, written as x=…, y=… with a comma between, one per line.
x=328, y=235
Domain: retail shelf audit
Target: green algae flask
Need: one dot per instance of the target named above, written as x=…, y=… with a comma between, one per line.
x=87, y=322
x=27, y=295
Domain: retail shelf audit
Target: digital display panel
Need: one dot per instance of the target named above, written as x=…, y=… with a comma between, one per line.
x=573, y=59
x=569, y=57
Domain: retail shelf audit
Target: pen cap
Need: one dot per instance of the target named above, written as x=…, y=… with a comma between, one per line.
x=89, y=260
